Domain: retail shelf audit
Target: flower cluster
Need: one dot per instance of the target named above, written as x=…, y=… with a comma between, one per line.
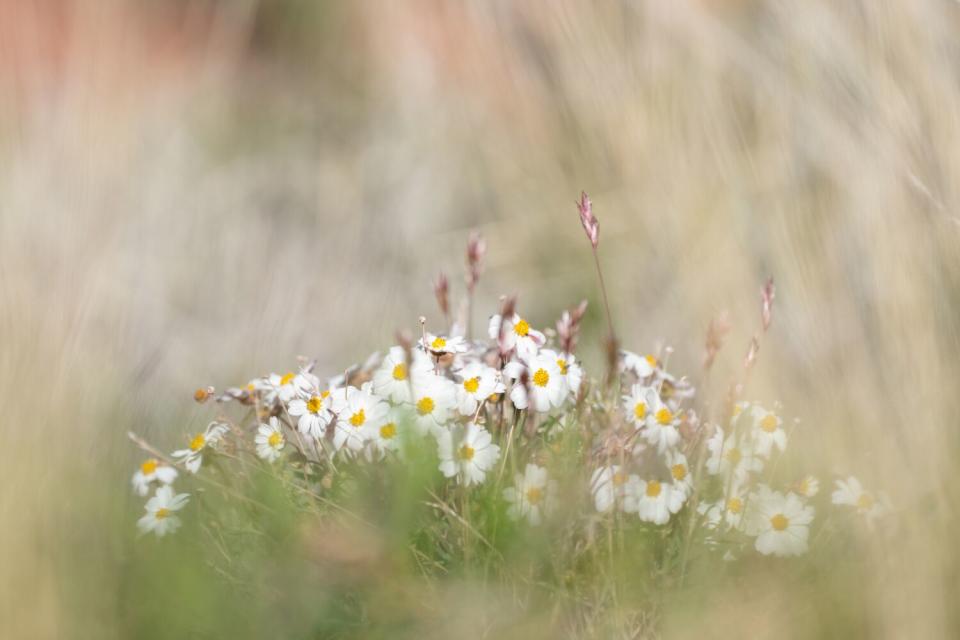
x=645, y=450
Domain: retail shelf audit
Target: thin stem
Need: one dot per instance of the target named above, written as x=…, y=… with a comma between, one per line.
x=603, y=291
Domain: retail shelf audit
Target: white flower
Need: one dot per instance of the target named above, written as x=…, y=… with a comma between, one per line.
x=285, y=387
x=359, y=415
x=729, y=509
x=466, y=452
x=850, y=492
x=440, y=345
x=662, y=423
x=652, y=500
x=477, y=382
x=532, y=496
x=636, y=404
x=433, y=400
x=570, y=372
x=806, y=487
x=679, y=471
x=392, y=379
x=642, y=366
x=149, y=471
x=160, y=508
x=269, y=440
x=192, y=457
x=608, y=487
x=313, y=413
x=517, y=334
x=780, y=523
x=545, y=388
x=731, y=455
x=767, y=430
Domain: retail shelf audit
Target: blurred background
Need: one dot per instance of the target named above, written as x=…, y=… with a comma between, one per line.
x=195, y=192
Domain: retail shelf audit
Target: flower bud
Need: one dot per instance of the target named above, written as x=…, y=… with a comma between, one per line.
x=589, y=221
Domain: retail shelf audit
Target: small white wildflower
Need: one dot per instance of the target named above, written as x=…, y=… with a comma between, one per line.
x=359, y=415
x=532, y=496
x=780, y=523
x=767, y=430
x=441, y=345
x=545, y=388
x=313, y=413
x=270, y=440
x=570, y=372
x=636, y=404
x=662, y=424
x=152, y=470
x=654, y=501
x=608, y=487
x=466, y=452
x=192, y=456
x=732, y=456
x=850, y=492
x=679, y=471
x=392, y=379
x=160, y=518
x=642, y=366
x=517, y=334
x=477, y=382
x=434, y=399
x=806, y=487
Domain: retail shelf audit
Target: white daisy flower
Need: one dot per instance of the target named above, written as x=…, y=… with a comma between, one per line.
x=642, y=366
x=730, y=455
x=850, y=492
x=517, y=334
x=386, y=437
x=440, y=345
x=434, y=398
x=728, y=510
x=477, y=382
x=466, y=452
x=270, y=440
x=570, y=372
x=392, y=379
x=766, y=429
x=679, y=471
x=545, y=388
x=654, y=501
x=283, y=387
x=662, y=424
x=636, y=404
x=608, y=486
x=359, y=415
x=533, y=495
x=192, y=457
x=806, y=487
x=313, y=413
x=780, y=523
x=160, y=518
x=149, y=471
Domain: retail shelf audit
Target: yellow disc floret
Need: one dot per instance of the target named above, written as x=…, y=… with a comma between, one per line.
x=563, y=365
x=149, y=466
x=679, y=472
x=287, y=379
x=275, y=440
x=640, y=410
x=358, y=418
x=653, y=489
x=541, y=377
x=471, y=385
x=769, y=423
x=734, y=505
x=438, y=343
x=425, y=405
x=521, y=328
x=162, y=513
x=314, y=404
x=388, y=431
x=779, y=522
x=534, y=495
x=400, y=372
x=197, y=443
x=664, y=416
x=466, y=452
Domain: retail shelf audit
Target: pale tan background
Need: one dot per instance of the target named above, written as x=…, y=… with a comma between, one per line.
x=197, y=192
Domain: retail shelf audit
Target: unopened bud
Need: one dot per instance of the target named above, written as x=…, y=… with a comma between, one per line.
x=589, y=221
x=441, y=289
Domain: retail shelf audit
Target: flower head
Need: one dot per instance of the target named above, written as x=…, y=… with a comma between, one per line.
x=466, y=452
x=160, y=518
x=515, y=333
x=152, y=470
x=538, y=382
x=851, y=493
x=476, y=382
x=532, y=496
x=779, y=523
x=192, y=456
x=270, y=440
x=359, y=415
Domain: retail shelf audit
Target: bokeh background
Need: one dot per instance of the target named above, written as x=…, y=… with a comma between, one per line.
x=195, y=192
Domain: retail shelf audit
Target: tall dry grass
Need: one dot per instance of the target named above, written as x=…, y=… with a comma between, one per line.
x=197, y=192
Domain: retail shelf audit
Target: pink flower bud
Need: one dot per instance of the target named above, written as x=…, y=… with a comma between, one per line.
x=476, y=250
x=441, y=288
x=590, y=223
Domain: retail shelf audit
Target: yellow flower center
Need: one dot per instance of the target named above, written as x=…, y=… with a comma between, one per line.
x=197, y=443
x=734, y=505
x=466, y=452
x=737, y=409
x=425, y=405
x=653, y=489
x=521, y=328
x=162, y=513
x=640, y=410
x=149, y=467
x=534, y=495
x=472, y=384
x=769, y=423
x=563, y=365
x=275, y=440
x=314, y=404
x=250, y=387
x=388, y=431
x=679, y=472
x=664, y=416
x=734, y=456
x=651, y=361
x=493, y=397
x=287, y=379
x=358, y=419
x=541, y=378
x=779, y=522
x=200, y=395
x=619, y=478
x=865, y=501
x=325, y=394
x=400, y=372
x=438, y=343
